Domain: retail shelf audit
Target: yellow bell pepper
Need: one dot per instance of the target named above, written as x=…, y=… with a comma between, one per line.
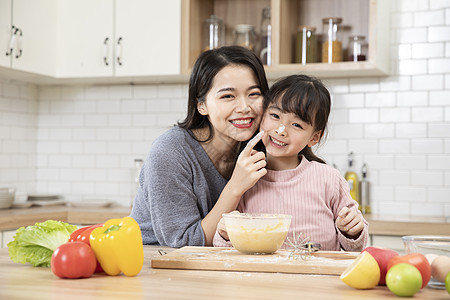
x=118, y=246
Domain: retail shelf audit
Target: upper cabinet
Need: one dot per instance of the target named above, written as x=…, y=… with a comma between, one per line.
x=122, y=38
x=85, y=38
x=123, y=41
x=28, y=35
x=5, y=33
x=368, y=18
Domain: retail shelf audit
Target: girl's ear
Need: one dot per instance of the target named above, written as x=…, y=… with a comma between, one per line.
x=201, y=107
x=315, y=138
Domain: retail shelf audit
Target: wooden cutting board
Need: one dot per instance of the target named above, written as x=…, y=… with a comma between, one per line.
x=229, y=259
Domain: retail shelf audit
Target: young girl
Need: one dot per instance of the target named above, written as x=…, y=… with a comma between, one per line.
x=297, y=181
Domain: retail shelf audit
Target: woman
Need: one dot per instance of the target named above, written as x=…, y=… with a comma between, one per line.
x=193, y=174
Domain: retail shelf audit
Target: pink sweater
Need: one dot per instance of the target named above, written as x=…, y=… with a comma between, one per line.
x=313, y=193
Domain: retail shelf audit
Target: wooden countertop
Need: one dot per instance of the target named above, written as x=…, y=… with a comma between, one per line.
x=387, y=225
x=400, y=226
x=15, y=218
x=26, y=282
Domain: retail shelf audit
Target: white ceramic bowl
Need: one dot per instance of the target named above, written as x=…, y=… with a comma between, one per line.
x=257, y=233
x=428, y=244
x=6, y=197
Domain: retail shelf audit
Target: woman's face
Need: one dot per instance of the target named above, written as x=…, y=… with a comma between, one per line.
x=233, y=104
x=285, y=133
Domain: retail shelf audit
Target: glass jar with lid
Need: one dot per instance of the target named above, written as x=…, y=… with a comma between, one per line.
x=245, y=36
x=265, y=51
x=357, y=48
x=306, y=45
x=332, y=46
x=213, y=33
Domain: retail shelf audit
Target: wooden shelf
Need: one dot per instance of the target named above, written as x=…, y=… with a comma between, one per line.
x=361, y=17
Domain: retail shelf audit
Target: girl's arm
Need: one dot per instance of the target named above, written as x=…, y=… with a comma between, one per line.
x=352, y=228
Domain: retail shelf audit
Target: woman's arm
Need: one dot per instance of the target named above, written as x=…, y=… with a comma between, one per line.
x=250, y=167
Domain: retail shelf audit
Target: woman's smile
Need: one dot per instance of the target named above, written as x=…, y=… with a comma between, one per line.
x=242, y=122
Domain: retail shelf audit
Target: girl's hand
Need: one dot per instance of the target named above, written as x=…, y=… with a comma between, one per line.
x=222, y=229
x=349, y=222
x=250, y=167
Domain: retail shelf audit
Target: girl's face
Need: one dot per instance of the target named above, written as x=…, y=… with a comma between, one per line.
x=233, y=104
x=286, y=134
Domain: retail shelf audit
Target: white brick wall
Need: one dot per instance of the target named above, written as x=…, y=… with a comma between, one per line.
x=81, y=141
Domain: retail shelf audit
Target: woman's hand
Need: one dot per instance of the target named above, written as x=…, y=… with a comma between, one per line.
x=349, y=222
x=250, y=167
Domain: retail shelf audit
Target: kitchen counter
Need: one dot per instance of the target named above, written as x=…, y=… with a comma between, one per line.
x=17, y=217
x=19, y=281
x=388, y=225
x=400, y=225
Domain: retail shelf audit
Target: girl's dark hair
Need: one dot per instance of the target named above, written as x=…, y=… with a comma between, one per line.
x=306, y=97
x=208, y=64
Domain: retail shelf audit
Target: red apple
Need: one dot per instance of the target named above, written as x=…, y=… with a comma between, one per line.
x=382, y=256
x=418, y=260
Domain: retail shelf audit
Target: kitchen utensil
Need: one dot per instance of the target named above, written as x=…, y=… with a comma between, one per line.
x=257, y=233
x=332, y=46
x=229, y=259
x=352, y=179
x=428, y=245
x=6, y=197
x=213, y=33
x=306, y=45
x=364, y=190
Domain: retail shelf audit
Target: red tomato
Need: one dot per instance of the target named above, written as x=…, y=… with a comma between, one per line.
x=418, y=260
x=73, y=260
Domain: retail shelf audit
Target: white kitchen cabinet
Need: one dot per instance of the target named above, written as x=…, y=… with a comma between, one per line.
x=84, y=36
x=123, y=38
x=5, y=32
x=31, y=25
x=151, y=37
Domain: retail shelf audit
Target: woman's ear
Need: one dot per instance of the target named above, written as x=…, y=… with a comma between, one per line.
x=201, y=107
x=315, y=138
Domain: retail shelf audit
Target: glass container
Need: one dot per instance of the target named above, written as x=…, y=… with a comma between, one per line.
x=213, y=33
x=138, y=163
x=265, y=52
x=245, y=36
x=306, y=45
x=357, y=48
x=332, y=46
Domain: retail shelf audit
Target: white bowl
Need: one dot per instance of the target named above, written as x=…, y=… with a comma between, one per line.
x=257, y=233
x=7, y=191
x=6, y=201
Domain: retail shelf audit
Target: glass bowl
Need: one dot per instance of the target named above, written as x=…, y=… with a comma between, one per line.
x=428, y=244
x=257, y=233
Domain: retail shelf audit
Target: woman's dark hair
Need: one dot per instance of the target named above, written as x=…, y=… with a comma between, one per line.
x=306, y=97
x=208, y=64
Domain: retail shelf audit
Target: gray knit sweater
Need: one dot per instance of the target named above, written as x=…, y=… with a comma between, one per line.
x=178, y=186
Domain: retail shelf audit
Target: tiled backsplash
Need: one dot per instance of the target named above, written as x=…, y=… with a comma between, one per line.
x=81, y=141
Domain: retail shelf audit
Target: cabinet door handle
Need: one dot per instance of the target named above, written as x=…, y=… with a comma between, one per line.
x=12, y=41
x=106, y=51
x=119, y=51
x=19, y=43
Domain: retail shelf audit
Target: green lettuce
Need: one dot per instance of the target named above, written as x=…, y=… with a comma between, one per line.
x=35, y=243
